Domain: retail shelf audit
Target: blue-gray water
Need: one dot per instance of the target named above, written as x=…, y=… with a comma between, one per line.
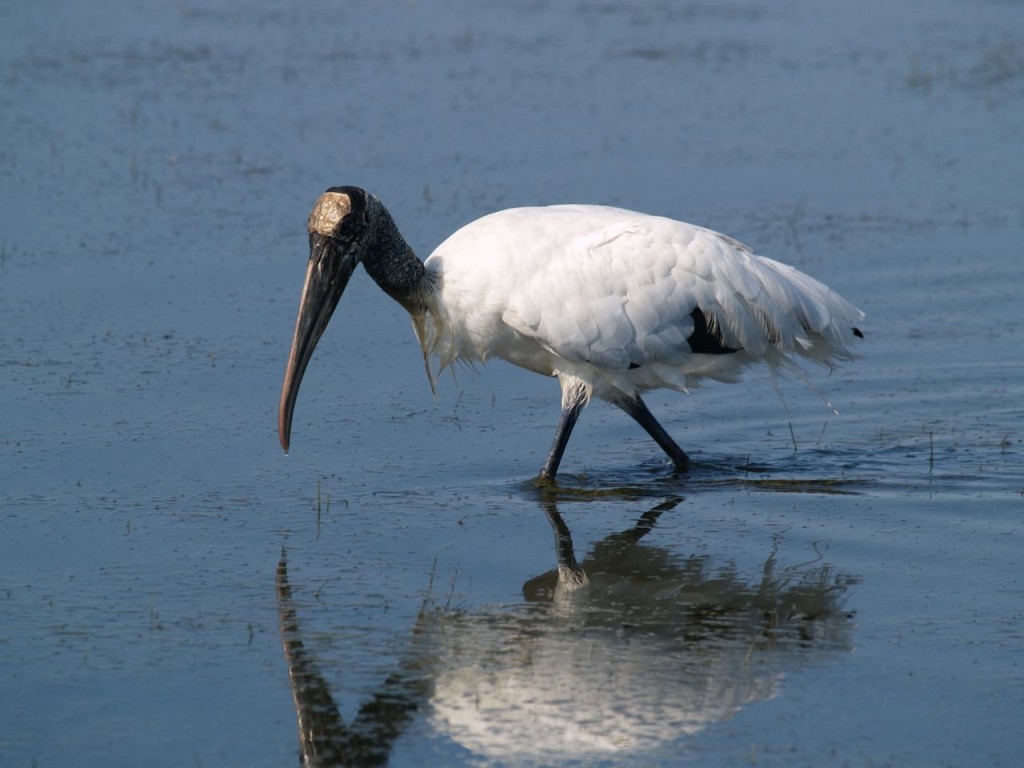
x=158, y=163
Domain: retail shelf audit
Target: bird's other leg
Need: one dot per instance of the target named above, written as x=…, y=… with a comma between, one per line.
x=575, y=396
x=636, y=408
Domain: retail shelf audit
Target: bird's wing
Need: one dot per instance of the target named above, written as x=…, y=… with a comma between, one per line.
x=645, y=290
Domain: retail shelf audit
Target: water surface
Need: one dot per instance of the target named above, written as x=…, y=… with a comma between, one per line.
x=822, y=588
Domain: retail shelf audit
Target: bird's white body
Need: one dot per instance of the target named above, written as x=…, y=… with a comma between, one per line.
x=605, y=296
x=611, y=302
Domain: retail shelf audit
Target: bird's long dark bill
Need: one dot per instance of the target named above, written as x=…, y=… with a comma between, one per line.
x=327, y=274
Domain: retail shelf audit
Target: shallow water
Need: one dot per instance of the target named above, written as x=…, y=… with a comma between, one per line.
x=850, y=582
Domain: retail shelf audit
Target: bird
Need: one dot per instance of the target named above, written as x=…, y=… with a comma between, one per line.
x=611, y=302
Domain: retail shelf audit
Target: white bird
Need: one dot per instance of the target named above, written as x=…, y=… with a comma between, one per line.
x=609, y=301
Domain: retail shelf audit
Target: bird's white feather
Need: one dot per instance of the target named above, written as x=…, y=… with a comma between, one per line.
x=607, y=296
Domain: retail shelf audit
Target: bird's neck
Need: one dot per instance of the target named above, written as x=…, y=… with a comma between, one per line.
x=394, y=267
x=392, y=263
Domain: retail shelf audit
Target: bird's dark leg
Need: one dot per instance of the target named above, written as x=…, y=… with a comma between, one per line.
x=636, y=408
x=574, y=399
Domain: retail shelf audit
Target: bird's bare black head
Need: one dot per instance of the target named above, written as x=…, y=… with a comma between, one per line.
x=340, y=215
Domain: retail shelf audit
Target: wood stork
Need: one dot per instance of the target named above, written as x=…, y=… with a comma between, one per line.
x=611, y=302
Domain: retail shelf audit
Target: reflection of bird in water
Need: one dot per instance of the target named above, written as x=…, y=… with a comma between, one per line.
x=611, y=302
x=634, y=578
x=625, y=653
x=636, y=649
x=324, y=738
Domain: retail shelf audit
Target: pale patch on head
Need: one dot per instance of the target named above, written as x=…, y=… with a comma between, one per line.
x=331, y=208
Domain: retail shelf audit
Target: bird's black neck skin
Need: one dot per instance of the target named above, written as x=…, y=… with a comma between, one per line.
x=391, y=262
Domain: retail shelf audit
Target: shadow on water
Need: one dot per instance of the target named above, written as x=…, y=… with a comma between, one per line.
x=625, y=652
x=797, y=475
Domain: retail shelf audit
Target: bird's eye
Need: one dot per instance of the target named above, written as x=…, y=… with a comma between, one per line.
x=351, y=227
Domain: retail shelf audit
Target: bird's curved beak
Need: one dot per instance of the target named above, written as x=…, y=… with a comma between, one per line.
x=327, y=273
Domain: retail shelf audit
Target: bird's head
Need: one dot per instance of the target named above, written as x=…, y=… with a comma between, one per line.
x=338, y=230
